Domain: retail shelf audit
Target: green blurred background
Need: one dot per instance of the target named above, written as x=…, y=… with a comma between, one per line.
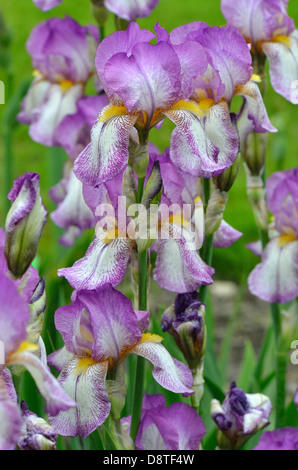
x=22, y=15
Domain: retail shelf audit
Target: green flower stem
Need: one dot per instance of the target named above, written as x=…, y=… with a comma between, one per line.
x=207, y=253
x=8, y=165
x=141, y=364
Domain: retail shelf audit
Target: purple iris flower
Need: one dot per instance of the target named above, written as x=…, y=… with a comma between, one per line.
x=179, y=267
x=275, y=279
x=46, y=5
x=14, y=318
x=280, y=439
x=265, y=24
x=37, y=434
x=100, y=329
x=62, y=53
x=130, y=10
x=144, y=83
x=240, y=416
x=229, y=73
x=174, y=427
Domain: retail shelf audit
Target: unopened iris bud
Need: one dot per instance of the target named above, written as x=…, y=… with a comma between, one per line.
x=185, y=321
x=37, y=433
x=37, y=306
x=99, y=11
x=215, y=210
x=226, y=179
x=24, y=223
x=253, y=151
x=256, y=195
x=239, y=417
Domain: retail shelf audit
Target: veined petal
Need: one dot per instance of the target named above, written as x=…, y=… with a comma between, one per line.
x=114, y=323
x=47, y=384
x=103, y=263
x=225, y=236
x=168, y=372
x=107, y=154
x=282, y=55
x=10, y=419
x=59, y=358
x=14, y=315
x=178, y=268
x=275, y=279
x=254, y=107
x=79, y=383
x=147, y=80
x=191, y=150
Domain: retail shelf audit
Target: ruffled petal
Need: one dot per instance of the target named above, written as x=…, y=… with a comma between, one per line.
x=179, y=268
x=225, y=236
x=10, y=420
x=79, y=382
x=107, y=154
x=275, y=279
x=190, y=150
x=254, y=108
x=283, y=65
x=56, y=398
x=103, y=263
x=168, y=372
x=131, y=9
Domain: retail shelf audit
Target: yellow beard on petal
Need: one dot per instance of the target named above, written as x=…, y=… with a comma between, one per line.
x=111, y=111
x=285, y=239
x=83, y=365
x=281, y=38
x=65, y=85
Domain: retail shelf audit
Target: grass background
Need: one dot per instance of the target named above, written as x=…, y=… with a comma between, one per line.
x=234, y=263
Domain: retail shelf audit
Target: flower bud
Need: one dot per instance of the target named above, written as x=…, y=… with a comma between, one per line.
x=226, y=179
x=37, y=433
x=253, y=151
x=100, y=12
x=185, y=321
x=256, y=195
x=215, y=210
x=239, y=417
x=24, y=223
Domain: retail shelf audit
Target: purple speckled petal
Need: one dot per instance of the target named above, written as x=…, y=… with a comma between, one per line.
x=130, y=10
x=254, y=107
x=107, y=154
x=168, y=372
x=275, y=279
x=14, y=315
x=10, y=418
x=225, y=236
x=46, y=5
x=283, y=66
x=103, y=263
x=79, y=384
x=178, y=268
x=190, y=150
x=280, y=439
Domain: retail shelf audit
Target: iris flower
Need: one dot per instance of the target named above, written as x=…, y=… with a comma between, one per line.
x=265, y=24
x=100, y=330
x=275, y=279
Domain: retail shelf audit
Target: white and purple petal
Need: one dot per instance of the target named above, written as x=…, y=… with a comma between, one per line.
x=225, y=236
x=130, y=10
x=275, y=279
